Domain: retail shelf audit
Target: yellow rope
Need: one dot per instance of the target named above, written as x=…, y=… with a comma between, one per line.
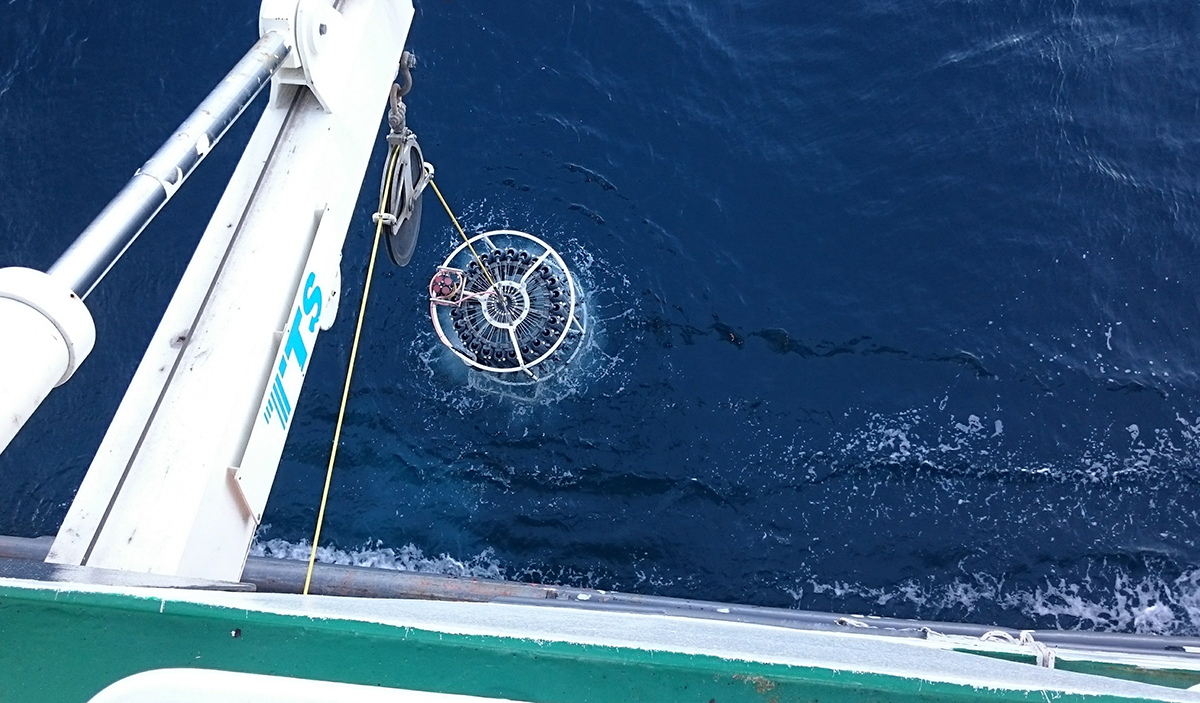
x=362, y=311
x=464, y=234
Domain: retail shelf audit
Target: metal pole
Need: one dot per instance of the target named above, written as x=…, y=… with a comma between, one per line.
x=108, y=236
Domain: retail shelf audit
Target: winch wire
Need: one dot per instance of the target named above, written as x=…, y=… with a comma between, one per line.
x=362, y=311
x=464, y=234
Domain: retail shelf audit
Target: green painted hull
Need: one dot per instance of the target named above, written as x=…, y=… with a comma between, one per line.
x=66, y=645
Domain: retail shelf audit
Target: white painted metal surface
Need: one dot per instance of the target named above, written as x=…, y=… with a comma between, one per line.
x=56, y=334
x=159, y=496
x=320, y=52
x=313, y=309
x=211, y=686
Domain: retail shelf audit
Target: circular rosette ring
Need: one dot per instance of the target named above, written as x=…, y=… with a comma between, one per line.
x=522, y=316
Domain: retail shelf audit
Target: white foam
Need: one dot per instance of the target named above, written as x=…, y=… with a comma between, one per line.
x=1115, y=602
x=1151, y=604
x=407, y=558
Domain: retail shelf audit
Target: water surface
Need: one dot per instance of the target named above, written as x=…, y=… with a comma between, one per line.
x=894, y=301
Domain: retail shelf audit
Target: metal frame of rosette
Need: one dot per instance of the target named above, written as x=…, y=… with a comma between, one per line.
x=540, y=323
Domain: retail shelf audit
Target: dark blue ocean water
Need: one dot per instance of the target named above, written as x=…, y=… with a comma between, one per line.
x=895, y=301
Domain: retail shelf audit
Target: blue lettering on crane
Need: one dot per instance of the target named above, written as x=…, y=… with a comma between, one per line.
x=294, y=346
x=278, y=403
x=312, y=299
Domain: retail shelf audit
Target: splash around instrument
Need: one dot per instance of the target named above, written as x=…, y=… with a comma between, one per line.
x=506, y=304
